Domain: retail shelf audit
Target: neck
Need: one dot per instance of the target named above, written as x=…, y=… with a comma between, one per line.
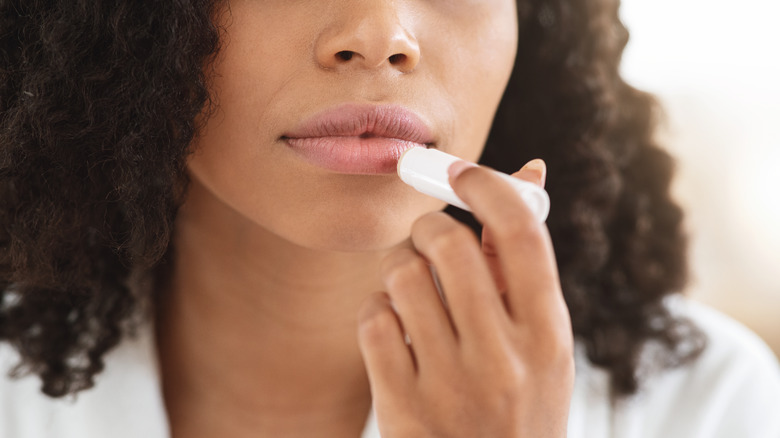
x=251, y=323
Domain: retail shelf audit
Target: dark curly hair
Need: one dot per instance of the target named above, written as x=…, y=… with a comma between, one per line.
x=99, y=103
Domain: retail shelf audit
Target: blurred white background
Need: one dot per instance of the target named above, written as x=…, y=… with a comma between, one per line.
x=715, y=67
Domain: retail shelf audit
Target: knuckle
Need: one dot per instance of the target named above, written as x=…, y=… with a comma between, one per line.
x=376, y=323
x=554, y=346
x=500, y=392
x=427, y=222
x=556, y=364
x=402, y=268
x=520, y=231
x=558, y=353
x=504, y=399
x=562, y=350
x=449, y=239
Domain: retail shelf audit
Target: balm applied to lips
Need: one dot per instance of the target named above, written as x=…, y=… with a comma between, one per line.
x=426, y=171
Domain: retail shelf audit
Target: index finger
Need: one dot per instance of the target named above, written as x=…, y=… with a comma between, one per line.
x=523, y=244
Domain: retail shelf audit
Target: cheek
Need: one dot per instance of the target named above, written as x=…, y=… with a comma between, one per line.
x=474, y=68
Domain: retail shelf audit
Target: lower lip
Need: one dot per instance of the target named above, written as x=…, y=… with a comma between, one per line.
x=353, y=155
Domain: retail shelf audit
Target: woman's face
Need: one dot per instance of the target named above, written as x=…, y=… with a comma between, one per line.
x=316, y=99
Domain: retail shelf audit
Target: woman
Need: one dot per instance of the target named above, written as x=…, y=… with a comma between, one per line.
x=209, y=187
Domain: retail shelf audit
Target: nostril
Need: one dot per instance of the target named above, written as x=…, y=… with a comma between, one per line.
x=345, y=55
x=398, y=58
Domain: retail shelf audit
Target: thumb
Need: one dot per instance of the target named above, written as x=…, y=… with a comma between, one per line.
x=534, y=171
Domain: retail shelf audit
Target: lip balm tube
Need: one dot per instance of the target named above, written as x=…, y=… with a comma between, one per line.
x=426, y=171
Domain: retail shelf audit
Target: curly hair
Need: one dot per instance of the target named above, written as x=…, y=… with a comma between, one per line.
x=99, y=105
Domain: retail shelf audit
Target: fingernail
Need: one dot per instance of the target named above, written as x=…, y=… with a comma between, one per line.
x=458, y=167
x=539, y=168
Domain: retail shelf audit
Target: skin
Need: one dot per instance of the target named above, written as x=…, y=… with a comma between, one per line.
x=277, y=319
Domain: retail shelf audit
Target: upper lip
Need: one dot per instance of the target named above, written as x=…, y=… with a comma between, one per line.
x=358, y=120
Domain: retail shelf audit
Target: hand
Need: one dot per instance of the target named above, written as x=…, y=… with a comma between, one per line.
x=497, y=360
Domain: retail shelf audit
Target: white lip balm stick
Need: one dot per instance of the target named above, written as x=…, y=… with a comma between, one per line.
x=426, y=171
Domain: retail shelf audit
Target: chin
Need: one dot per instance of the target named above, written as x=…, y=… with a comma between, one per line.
x=360, y=230
x=354, y=236
x=366, y=242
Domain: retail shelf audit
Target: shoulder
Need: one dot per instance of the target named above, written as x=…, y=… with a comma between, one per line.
x=732, y=389
x=736, y=366
x=730, y=345
x=125, y=402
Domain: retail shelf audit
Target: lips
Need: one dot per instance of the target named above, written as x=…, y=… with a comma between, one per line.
x=358, y=139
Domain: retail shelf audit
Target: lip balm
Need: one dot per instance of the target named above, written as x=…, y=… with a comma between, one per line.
x=426, y=171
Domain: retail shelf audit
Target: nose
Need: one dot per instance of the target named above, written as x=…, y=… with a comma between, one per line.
x=368, y=35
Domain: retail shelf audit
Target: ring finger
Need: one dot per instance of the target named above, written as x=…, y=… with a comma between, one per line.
x=411, y=287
